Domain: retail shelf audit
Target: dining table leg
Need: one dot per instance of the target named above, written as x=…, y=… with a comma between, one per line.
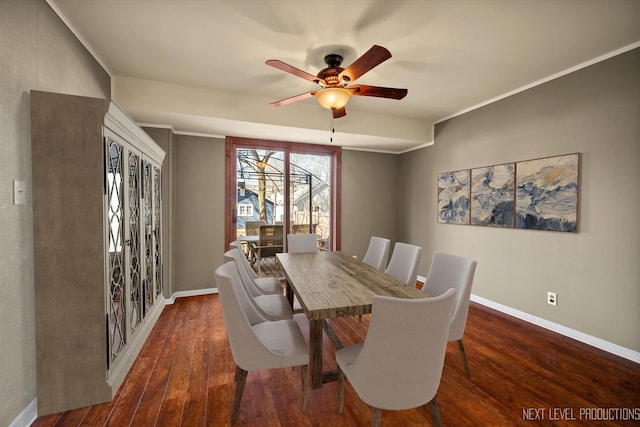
x=288, y=291
x=315, y=356
x=259, y=263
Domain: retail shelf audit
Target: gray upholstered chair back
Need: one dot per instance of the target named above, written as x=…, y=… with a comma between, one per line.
x=299, y=243
x=377, y=253
x=250, y=271
x=236, y=256
x=452, y=271
x=400, y=364
x=404, y=262
x=249, y=311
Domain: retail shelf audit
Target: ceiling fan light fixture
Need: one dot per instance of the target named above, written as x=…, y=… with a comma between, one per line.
x=333, y=98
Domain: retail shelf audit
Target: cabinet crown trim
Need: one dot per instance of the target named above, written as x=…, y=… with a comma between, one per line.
x=120, y=123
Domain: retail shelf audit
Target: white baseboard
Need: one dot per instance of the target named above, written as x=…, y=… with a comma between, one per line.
x=607, y=346
x=27, y=416
x=181, y=294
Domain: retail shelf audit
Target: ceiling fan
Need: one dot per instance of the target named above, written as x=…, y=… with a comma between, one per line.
x=336, y=82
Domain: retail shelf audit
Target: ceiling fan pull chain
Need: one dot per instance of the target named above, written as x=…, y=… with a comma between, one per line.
x=333, y=129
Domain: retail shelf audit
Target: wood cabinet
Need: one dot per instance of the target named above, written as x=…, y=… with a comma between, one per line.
x=97, y=246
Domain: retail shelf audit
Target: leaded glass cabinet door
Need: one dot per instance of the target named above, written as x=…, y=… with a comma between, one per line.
x=149, y=252
x=157, y=216
x=135, y=272
x=116, y=291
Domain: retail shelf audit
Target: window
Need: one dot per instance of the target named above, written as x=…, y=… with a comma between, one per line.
x=245, y=210
x=273, y=182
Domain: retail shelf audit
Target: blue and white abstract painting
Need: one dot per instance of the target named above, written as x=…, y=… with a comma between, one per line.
x=547, y=193
x=492, y=195
x=453, y=197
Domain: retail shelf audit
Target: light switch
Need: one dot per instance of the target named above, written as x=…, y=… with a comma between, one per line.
x=19, y=192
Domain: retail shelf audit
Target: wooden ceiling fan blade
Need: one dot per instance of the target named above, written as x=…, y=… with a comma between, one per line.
x=292, y=99
x=370, y=59
x=276, y=63
x=339, y=112
x=377, y=91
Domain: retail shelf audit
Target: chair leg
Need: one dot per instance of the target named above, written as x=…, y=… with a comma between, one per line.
x=464, y=358
x=340, y=390
x=303, y=372
x=435, y=412
x=240, y=380
x=376, y=417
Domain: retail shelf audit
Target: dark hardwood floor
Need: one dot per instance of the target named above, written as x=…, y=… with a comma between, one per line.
x=521, y=375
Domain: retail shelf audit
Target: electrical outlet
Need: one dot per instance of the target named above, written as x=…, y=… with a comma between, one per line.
x=552, y=298
x=19, y=192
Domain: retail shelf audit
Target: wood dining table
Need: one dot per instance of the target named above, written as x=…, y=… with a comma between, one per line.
x=333, y=284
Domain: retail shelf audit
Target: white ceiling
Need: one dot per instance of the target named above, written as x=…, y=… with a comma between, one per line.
x=198, y=66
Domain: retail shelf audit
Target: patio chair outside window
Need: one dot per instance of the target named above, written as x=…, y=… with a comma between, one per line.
x=269, y=244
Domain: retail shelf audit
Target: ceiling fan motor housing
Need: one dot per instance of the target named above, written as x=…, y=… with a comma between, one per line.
x=331, y=74
x=333, y=60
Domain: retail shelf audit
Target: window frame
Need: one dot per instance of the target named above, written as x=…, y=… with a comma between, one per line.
x=232, y=143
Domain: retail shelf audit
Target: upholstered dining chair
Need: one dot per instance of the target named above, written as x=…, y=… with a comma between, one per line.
x=377, y=252
x=267, y=285
x=400, y=363
x=298, y=243
x=403, y=264
x=257, y=346
x=452, y=271
x=271, y=307
x=376, y=256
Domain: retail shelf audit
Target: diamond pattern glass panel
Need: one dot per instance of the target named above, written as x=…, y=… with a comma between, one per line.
x=157, y=191
x=115, y=212
x=149, y=253
x=134, y=240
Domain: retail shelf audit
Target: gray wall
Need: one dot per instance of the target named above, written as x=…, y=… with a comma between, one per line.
x=596, y=273
x=199, y=205
x=369, y=199
x=37, y=51
x=199, y=211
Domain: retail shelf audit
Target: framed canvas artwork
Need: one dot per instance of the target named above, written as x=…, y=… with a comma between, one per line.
x=493, y=195
x=453, y=197
x=547, y=193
